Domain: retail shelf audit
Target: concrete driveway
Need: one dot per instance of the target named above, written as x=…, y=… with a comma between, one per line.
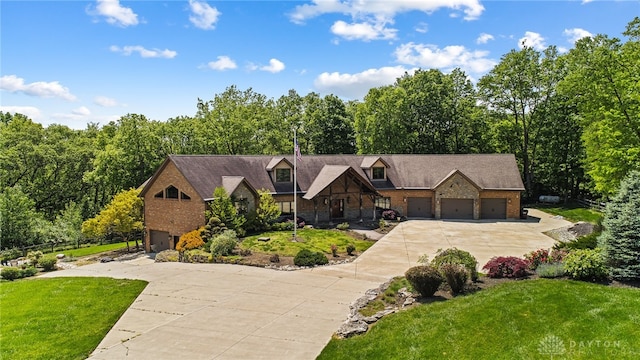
x=217, y=311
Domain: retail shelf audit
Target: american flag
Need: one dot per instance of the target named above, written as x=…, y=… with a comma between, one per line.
x=297, y=150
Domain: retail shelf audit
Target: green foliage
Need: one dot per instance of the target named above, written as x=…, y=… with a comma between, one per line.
x=586, y=264
x=167, y=256
x=312, y=239
x=519, y=314
x=11, y=273
x=620, y=239
x=457, y=256
x=456, y=276
x=550, y=270
x=573, y=212
x=10, y=254
x=583, y=242
x=424, y=279
x=343, y=226
x=223, y=208
x=18, y=218
x=306, y=257
x=350, y=249
x=223, y=244
x=266, y=213
x=34, y=257
x=122, y=216
x=88, y=307
x=48, y=263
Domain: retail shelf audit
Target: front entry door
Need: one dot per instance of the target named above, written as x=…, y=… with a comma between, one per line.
x=337, y=208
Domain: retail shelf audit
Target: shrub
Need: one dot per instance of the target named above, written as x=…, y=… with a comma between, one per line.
x=424, y=279
x=551, y=270
x=48, y=263
x=11, y=273
x=584, y=242
x=350, y=249
x=34, y=256
x=456, y=276
x=506, y=266
x=167, y=256
x=342, y=226
x=306, y=257
x=390, y=214
x=382, y=223
x=283, y=226
x=537, y=257
x=457, y=256
x=28, y=272
x=620, y=239
x=586, y=264
x=557, y=255
x=9, y=254
x=223, y=244
x=190, y=240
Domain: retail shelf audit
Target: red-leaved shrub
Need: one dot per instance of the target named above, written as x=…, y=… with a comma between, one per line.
x=506, y=266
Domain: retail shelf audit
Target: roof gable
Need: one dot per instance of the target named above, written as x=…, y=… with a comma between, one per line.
x=276, y=161
x=452, y=174
x=369, y=161
x=328, y=175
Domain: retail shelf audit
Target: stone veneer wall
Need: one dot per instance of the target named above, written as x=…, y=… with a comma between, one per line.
x=457, y=187
x=174, y=216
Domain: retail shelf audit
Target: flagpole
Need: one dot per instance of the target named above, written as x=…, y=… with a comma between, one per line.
x=295, y=178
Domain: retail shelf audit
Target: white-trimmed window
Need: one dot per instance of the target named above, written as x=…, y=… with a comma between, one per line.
x=383, y=202
x=378, y=173
x=286, y=207
x=283, y=175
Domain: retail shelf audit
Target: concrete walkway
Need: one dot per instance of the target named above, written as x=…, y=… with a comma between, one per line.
x=217, y=311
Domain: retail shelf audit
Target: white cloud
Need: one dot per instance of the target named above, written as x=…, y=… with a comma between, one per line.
x=533, y=40
x=41, y=89
x=562, y=50
x=223, y=63
x=356, y=86
x=359, y=9
x=31, y=112
x=81, y=111
x=576, y=34
x=105, y=101
x=275, y=66
x=422, y=27
x=116, y=14
x=145, y=53
x=484, y=38
x=203, y=16
x=366, y=31
x=447, y=58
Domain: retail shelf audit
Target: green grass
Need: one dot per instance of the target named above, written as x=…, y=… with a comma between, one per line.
x=509, y=321
x=312, y=239
x=61, y=318
x=96, y=249
x=573, y=213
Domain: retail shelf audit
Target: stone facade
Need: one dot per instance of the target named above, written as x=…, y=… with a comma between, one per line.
x=174, y=216
x=457, y=187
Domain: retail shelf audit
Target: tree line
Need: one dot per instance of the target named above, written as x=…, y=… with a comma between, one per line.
x=572, y=120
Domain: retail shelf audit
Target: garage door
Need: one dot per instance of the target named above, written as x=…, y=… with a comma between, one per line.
x=493, y=208
x=456, y=208
x=159, y=240
x=419, y=207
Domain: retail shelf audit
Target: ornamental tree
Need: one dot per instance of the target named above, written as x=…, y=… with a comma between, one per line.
x=620, y=239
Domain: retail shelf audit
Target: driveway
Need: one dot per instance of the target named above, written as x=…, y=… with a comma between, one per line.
x=217, y=311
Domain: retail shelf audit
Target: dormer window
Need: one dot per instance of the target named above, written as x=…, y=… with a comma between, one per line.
x=283, y=175
x=378, y=173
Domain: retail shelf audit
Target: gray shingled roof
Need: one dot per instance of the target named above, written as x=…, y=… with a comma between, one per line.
x=487, y=171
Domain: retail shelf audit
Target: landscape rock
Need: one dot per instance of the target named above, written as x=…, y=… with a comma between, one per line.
x=60, y=256
x=581, y=229
x=350, y=328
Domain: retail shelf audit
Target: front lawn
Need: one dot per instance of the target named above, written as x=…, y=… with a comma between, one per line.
x=313, y=239
x=532, y=319
x=96, y=249
x=61, y=318
x=572, y=212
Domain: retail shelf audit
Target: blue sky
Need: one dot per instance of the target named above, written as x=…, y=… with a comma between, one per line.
x=74, y=62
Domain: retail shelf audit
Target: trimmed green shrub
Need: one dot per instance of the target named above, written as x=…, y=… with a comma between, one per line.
x=350, y=249
x=34, y=256
x=506, y=267
x=620, y=239
x=11, y=273
x=283, y=226
x=457, y=256
x=29, y=271
x=9, y=254
x=223, y=244
x=550, y=270
x=48, y=263
x=425, y=279
x=306, y=257
x=586, y=264
x=343, y=226
x=456, y=276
